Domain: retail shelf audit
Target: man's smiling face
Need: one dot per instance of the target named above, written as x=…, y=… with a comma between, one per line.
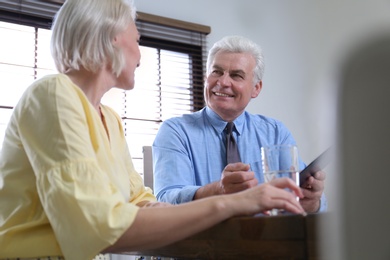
x=229, y=85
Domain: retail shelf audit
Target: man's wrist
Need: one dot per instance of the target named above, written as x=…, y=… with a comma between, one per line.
x=318, y=207
x=208, y=190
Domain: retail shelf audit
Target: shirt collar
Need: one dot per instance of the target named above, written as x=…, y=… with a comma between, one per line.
x=219, y=124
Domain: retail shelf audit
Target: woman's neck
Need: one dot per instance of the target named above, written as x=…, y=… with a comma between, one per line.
x=94, y=85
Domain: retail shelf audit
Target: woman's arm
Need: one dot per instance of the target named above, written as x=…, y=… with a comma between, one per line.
x=155, y=227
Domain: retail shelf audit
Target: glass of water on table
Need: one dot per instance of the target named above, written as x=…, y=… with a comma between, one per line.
x=280, y=161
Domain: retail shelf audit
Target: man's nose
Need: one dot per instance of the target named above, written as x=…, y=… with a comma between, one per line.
x=224, y=80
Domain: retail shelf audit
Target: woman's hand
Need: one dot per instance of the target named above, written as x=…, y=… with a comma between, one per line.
x=271, y=195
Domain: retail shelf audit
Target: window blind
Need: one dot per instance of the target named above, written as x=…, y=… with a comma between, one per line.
x=169, y=81
x=29, y=12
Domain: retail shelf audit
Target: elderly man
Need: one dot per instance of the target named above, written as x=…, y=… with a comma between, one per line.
x=189, y=152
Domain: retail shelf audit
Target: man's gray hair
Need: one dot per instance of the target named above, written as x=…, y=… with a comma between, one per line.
x=239, y=44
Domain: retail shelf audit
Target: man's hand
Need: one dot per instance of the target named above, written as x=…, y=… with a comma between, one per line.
x=312, y=191
x=237, y=177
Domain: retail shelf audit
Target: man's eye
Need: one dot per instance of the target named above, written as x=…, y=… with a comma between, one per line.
x=237, y=76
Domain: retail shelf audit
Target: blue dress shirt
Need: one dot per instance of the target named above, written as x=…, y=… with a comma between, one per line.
x=190, y=151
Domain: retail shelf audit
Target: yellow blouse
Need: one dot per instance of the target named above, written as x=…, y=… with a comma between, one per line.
x=67, y=182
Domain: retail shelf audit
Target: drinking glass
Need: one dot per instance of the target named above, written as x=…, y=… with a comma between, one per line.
x=280, y=161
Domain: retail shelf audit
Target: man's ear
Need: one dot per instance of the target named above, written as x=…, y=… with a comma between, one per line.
x=257, y=89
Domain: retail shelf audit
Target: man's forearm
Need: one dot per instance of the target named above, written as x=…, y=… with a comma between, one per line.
x=208, y=190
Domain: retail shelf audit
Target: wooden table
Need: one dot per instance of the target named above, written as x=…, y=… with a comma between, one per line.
x=260, y=237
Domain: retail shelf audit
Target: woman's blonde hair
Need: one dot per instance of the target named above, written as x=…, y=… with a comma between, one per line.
x=83, y=33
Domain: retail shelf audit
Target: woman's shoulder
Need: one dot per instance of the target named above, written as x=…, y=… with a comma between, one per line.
x=51, y=83
x=51, y=91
